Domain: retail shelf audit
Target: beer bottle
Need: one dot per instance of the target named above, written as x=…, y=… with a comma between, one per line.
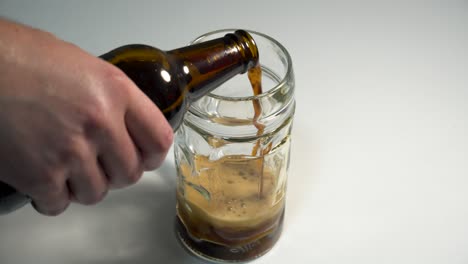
x=172, y=79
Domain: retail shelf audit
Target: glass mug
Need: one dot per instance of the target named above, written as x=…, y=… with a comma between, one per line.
x=232, y=161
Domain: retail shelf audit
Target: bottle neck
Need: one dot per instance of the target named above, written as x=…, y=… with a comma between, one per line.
x=209, y=64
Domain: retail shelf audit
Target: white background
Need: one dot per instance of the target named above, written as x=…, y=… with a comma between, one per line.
x=379, y=170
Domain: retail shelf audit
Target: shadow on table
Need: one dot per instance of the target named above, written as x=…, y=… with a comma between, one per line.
x=132, y=225
x=148, y=211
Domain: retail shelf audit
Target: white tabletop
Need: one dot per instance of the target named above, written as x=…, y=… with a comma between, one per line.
x=379, y=169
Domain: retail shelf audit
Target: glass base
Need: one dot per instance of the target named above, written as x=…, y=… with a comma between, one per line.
x=222, y=254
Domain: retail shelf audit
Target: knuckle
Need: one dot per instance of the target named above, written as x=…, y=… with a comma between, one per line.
x=96, y=117
x=116, y=80
x=76, y=150
x=73, y=154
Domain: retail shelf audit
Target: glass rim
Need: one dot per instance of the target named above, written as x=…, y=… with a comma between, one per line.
x=270, y=92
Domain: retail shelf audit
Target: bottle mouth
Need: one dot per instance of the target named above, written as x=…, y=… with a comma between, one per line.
x=274, y=60
x=249, y=47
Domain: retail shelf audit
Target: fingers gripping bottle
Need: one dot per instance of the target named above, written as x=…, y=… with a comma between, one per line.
x=171, y=79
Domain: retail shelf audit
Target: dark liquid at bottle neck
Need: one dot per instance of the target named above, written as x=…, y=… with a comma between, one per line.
x=209, y=64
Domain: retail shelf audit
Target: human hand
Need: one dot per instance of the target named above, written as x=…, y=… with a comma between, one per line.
x=72, y=126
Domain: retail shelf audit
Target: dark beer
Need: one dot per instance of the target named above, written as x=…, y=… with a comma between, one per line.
x=231, y=222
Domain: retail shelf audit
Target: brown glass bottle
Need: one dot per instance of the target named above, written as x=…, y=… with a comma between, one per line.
x=172, y=79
